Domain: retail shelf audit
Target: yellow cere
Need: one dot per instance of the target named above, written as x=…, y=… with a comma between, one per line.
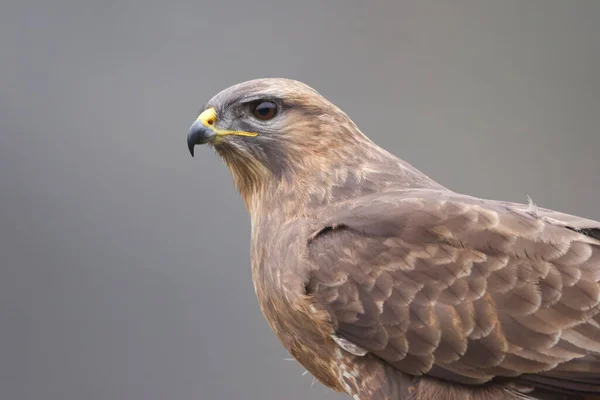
x=208, y=118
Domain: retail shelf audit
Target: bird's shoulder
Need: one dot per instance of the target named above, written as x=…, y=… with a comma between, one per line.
x=443, y=217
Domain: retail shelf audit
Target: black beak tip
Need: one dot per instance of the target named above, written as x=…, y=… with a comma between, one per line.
x=199, y=134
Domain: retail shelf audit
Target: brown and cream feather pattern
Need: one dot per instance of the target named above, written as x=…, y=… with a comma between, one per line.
x=387, y=286
x=465, y=290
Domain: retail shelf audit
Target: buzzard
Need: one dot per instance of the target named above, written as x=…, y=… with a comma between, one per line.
x=384, y=284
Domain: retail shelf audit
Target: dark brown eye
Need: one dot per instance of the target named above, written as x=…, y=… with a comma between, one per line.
x=265, y=110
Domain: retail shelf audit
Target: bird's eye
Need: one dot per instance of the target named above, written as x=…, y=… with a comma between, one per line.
x=265, y=110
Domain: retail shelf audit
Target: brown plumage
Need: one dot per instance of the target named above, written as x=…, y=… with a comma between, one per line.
x=385, y=285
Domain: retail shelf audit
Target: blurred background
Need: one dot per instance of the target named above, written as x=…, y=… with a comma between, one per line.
x=124, y=268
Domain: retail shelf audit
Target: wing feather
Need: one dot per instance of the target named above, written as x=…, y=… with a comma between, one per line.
x=449, y=285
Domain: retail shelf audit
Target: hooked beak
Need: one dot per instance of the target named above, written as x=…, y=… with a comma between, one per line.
x=199, y=134
x=204, y=130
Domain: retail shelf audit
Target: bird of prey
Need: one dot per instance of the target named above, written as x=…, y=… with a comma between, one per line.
x=384, y=284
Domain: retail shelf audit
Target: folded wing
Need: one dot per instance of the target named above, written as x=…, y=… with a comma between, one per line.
x=463, y=289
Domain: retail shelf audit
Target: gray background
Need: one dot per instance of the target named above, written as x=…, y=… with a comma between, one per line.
x=125, y=262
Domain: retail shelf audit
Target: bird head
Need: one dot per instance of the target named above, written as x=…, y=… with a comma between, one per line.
x=274, y=129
